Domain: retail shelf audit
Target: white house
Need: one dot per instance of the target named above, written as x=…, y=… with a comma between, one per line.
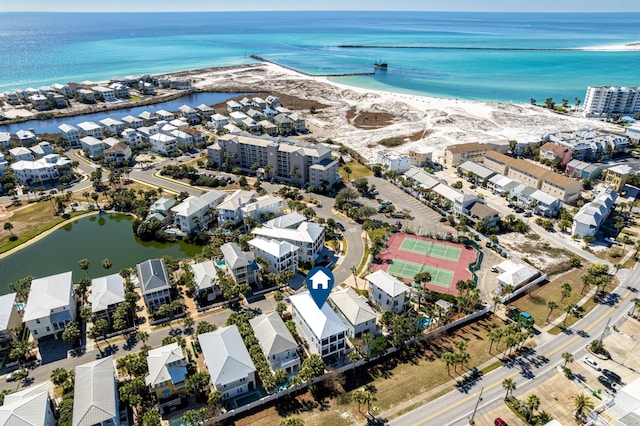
x=132, y=122
x=227, y=359
x=233, y=106
x=516, y=274
x=279, y=255
x=195, y=213
x=42, y=149
x=26, y=137
x=219, y=120
x=95, y=398
x=107, y=293
x=546, y=204
x=237, y=117
x=89, y=128
x=29, y=407
x=112, y=125
x=593, y=214
x=50, y=306
x=308, y=236
x=167, y=370
x=320, y=328
x=230, y=208
x=190, y=114
x=265, y=204
x=5, y=139
x=119, y=153
x=165, y=115
x=163, y=144
x=70, y=134
x=388, y=293
x=288, y=221
x=131, y=137
x=205, y=275
x=154, y=282
x=9, y=320
x=399, y=163
x=21, y=154
x=277, y=343
x=94, y=147
x=107, y=93
x=354, y=311
x=46, y=170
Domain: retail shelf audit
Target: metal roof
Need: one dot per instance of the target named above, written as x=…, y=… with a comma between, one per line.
x=225, y=355
x=48, y=293
x=94, y=398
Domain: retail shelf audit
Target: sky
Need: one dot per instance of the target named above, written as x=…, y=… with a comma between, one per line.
x=258, y=5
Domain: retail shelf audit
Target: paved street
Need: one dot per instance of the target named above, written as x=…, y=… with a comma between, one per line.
x=456, y=407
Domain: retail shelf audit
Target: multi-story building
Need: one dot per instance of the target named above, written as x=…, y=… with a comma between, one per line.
x=241, y=265
x=89, y=128
x=228, y=361
x=600, y=100
x=616, y=177
x=591, y=216
x=354, y=311
x=167, y=371
x=132, y=122
x=46, y=170
x=106, y=294
x=590, y=144
x=50, y=306
x=497, y=161
x=278, y=345
x=9, y=320
x=394, y=162
x=196, y=213
x=454, y=155
x=106, y=93
x=323, y=332
x=95, y=400
x=231, y=207
x=92, y=146
x=70, y=134
x=32, y=406
x=163, y=144
x=296, y=162
x=119, y=153
x=308, y=236
x=552, y=151
x=190, y=114
x=265, y=204
x=113, y=126
x=26, y=137
x=154, y=282
x=280, y=255
x=388, y=293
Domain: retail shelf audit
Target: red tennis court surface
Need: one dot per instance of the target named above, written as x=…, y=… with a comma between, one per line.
x=460, y=268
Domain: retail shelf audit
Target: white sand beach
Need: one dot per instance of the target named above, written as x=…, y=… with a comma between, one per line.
x=442, y=122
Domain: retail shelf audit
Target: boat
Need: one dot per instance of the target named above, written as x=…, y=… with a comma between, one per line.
x=379, y=65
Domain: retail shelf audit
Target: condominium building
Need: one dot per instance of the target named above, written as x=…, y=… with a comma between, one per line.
x=308, y=236
x=591, y=216
x=292, y=161
x=616, y=177
x=590, y=144
x=399, y=163
x=46, y=170
x=279, y=255
x=611, y=100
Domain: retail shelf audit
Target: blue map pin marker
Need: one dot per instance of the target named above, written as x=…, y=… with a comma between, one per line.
x=319, y=283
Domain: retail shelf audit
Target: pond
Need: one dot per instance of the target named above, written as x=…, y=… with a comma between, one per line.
x=51, y=125
x=96, y=237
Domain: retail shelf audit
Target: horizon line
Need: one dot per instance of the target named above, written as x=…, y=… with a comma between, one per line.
x=321, y=10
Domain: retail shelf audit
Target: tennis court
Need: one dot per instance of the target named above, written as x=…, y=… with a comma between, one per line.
x=404, y=269
x=430, y=248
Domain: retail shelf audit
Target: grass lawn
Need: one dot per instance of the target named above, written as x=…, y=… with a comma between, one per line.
x=357, y=171
x=29, y=221
x=394, y=380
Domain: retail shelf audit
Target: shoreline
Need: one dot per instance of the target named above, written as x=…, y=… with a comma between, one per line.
x=442, y=121
x=46, y=234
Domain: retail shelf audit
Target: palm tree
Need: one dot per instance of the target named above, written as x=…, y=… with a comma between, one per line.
x=421, y=294
x=509, y=385
x=86, y=195
x=347, y=171
x=84, y=265
x=566, y=291
x=496, y=301
x=106, y=264
x=8, y=226
x=636, y=305
x=567, y=357
x=143, y=336
x=551, y=305
x=449, y=359
x=495, y=334
x=533, y=403
x=568, y=310
x=581, y=401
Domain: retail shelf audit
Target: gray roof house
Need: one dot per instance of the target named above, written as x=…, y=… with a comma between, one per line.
x=290, y=220
x=29, y=407
x=154, y=282
x=95, y=399
x=228, y=361
x=106, y=293
x=242, y=265
x=167, y=370
x=387, y=292
x=354, y=311
x=277, y=343
x=205, y=276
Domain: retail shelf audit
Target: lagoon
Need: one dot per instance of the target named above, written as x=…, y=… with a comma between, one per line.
x=51, y=125
x=95, y=238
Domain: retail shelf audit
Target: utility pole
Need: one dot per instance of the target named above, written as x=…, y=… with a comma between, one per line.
x=471, y=420
x=606, y=327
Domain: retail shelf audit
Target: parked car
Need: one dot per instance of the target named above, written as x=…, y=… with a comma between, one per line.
x=494, y=269
x=340, y=226
x=374, y=192
x=527, y=214
x=519, y=210
x=472, y=187
x=591, y=363
x=613, y=376
x=608, y=383
x=500, y=422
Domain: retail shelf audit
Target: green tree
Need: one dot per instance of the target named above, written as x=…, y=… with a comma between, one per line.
x=532, y=403
x=567, y=357
x=151, y=418
x=83, y=264
x=581, y=402
x=8, y=226
x=106, y=264
x=292, y=421
x=347, y=170
x=59, y=376
x=495, y=334
x=72, y=333
x=508, y=385
x=449, y=359
x=195, y=417
x=205, y=327
x=20, y=350
x=312, y=367
x=551, y=305
x=198, y=383
x=565, y=291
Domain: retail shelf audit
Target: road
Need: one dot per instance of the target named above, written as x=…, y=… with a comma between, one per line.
x=456, y=407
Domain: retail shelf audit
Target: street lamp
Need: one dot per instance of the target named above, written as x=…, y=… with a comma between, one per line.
x=471, y=420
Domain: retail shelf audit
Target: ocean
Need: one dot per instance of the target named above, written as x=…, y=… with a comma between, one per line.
x=507, y=57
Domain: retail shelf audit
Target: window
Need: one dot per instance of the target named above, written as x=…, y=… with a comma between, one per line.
x=37, y=320
x=48, y=329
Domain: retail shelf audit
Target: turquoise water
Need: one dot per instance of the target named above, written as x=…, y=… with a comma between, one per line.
x=41, y=48
x=94, y=238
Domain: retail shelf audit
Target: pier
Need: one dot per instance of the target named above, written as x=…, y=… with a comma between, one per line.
x=261, y=59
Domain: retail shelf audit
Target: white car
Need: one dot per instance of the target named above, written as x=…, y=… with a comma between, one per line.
x=591, y=363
